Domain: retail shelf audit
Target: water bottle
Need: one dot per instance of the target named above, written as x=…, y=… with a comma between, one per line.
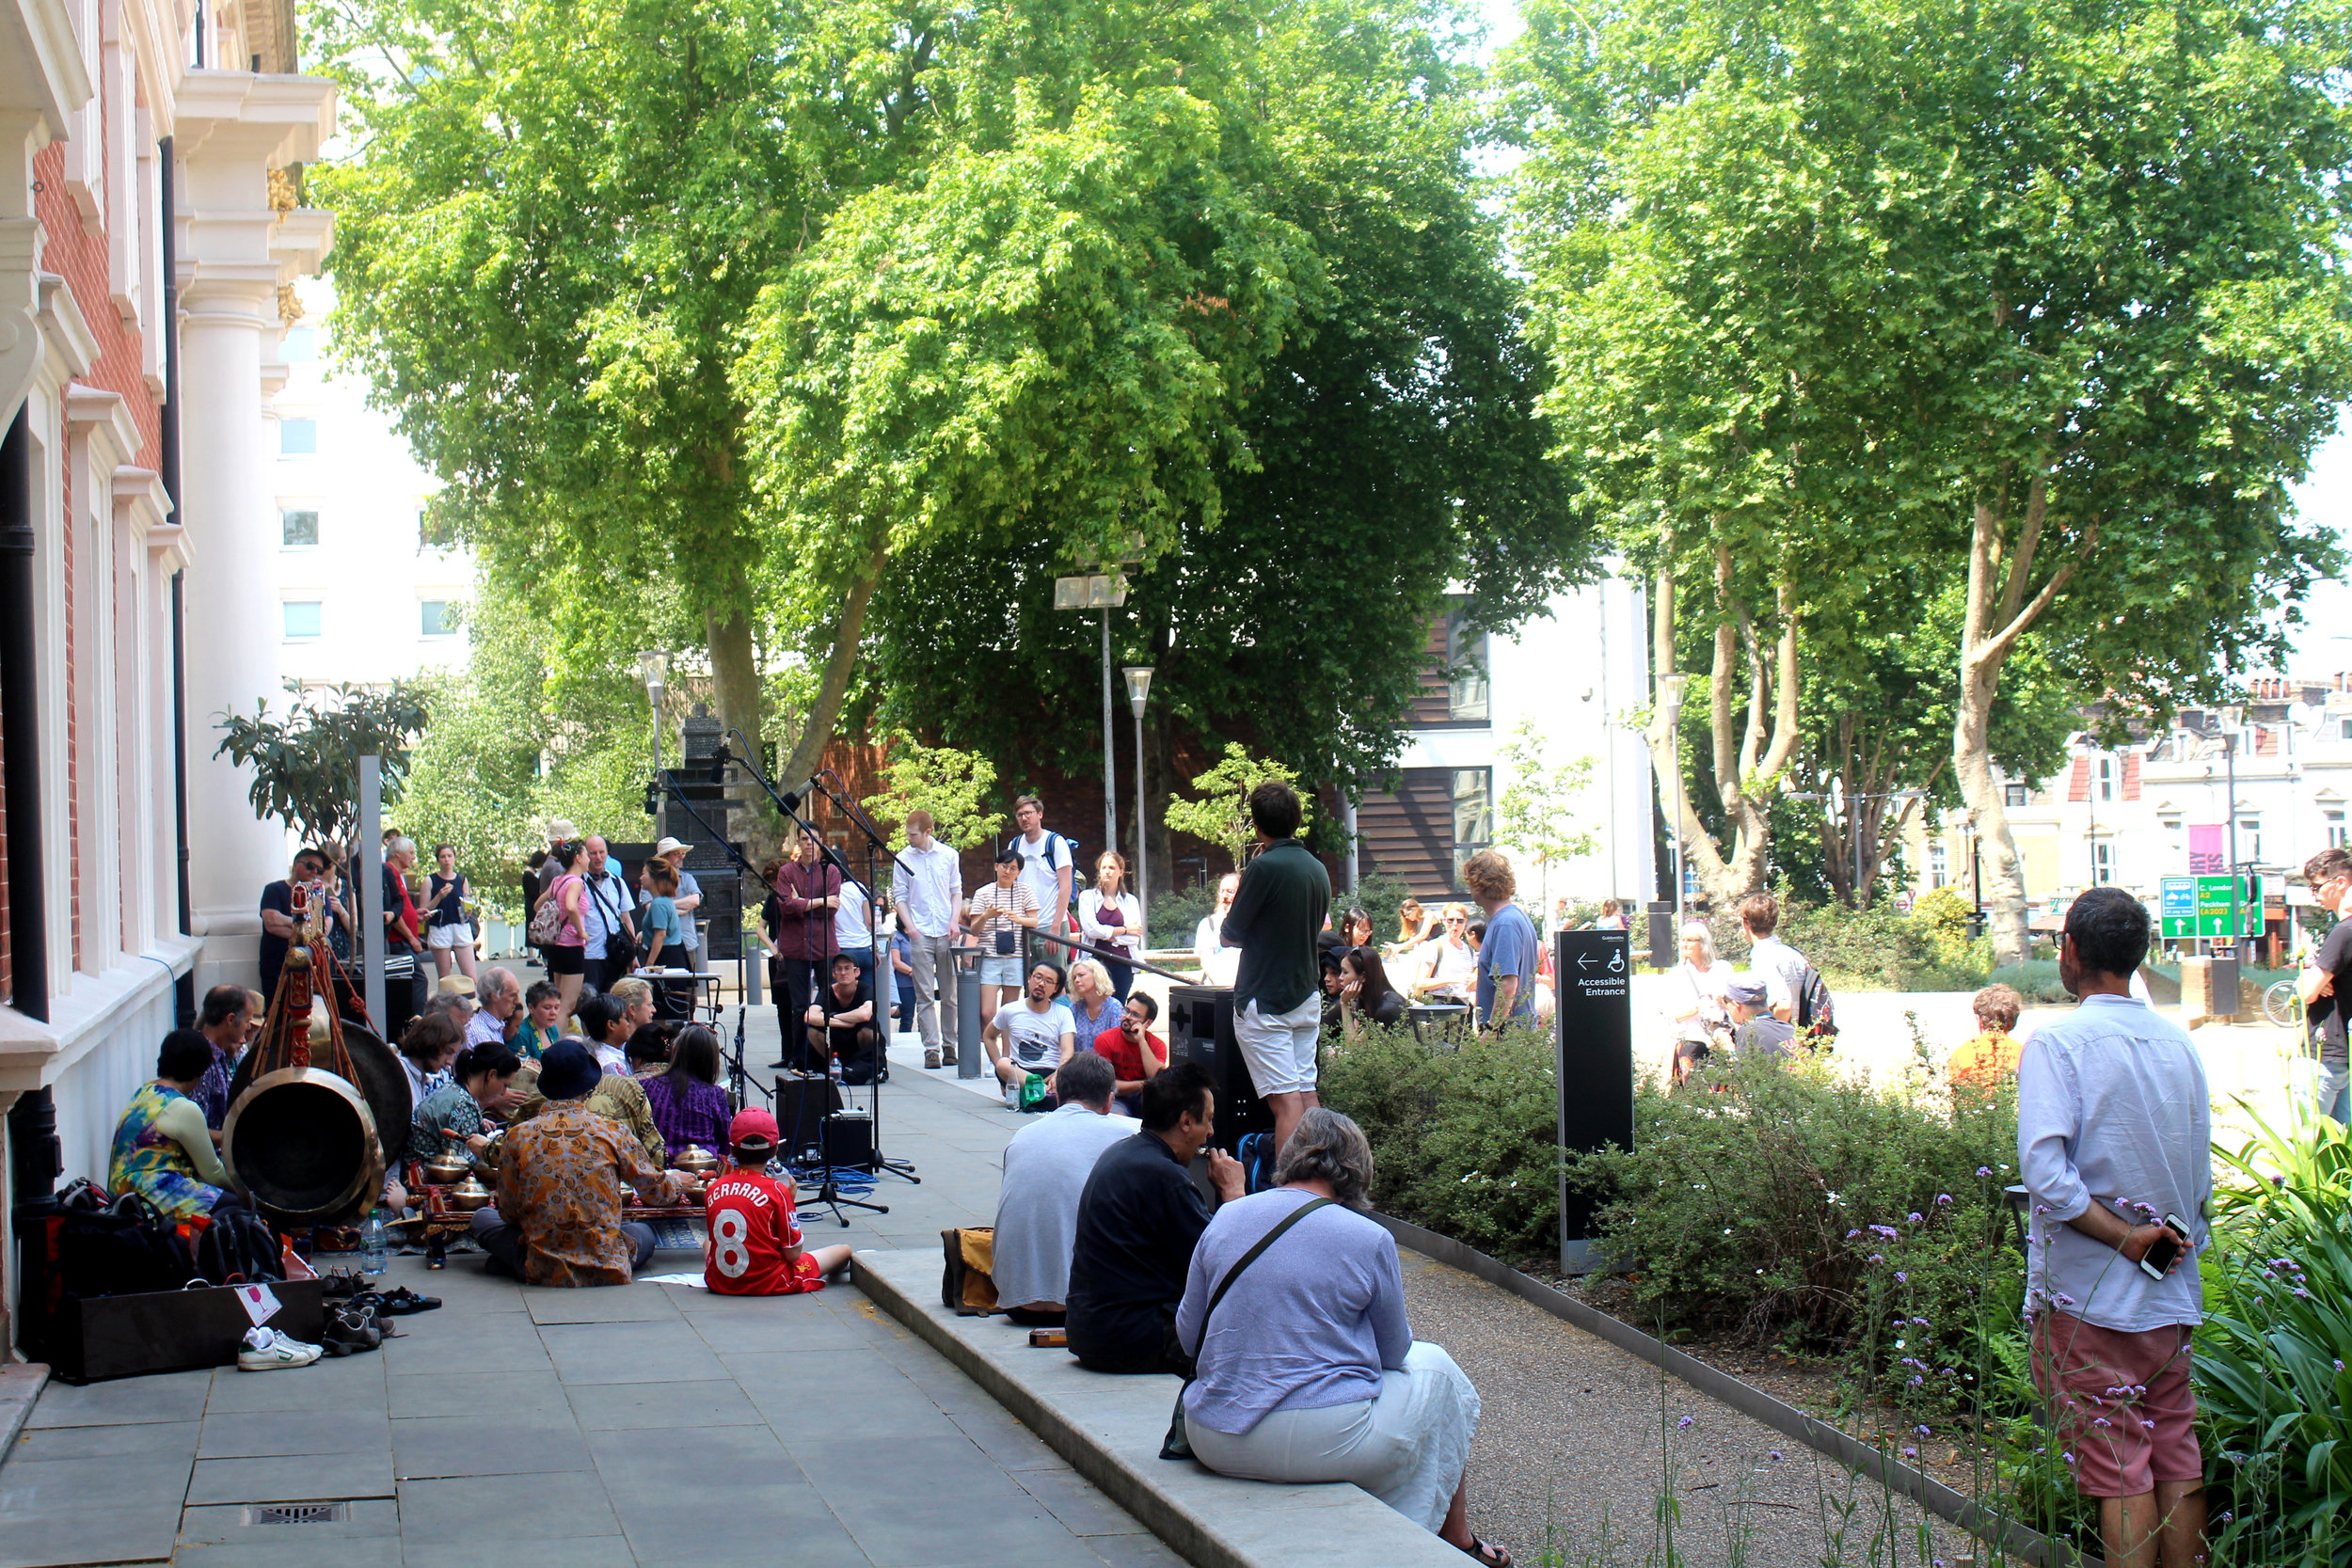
x=373, y=1234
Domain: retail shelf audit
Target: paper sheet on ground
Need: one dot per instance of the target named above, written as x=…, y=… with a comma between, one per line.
x=694, y=1279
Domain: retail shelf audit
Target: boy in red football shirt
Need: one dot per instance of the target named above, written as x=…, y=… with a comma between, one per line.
x=755, y=1246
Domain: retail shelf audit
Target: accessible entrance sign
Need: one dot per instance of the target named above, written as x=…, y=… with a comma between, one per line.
x=1594, y=1031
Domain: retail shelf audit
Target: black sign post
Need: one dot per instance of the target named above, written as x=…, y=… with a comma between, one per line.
x=1595, y=1020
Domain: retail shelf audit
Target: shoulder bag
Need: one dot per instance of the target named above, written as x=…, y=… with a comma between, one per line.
x=620, y=948
x=1177, y=1445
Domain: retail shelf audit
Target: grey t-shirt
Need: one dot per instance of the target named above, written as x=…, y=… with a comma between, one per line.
x=1033, y=1040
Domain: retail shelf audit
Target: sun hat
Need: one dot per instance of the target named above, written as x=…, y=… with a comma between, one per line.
x=568, y=1071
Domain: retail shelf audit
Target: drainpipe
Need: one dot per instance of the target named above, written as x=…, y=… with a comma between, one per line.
x=33, y=1119
x=185, y=988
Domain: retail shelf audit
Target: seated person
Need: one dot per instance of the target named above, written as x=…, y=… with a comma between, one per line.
x=1754, y=1031
x=1138, y=1216
x=841, y=1023
x=500, y=1018
x=604, y=1025
x=1447, y=968
x=1307, y=1368
x=1365, y=993
x=755, y=1244
x=543, y=1011
x=1327, y=963
x=427, y=1047
x=1133, y=1050
x=637, y=999
x=689, y=1107
x=162, y=1150
x=1991, y=1058
x=648, y=1051
x=617, y=1095
x=1046, y=1167
x=1030, y=1037
x=449, y=1120
x=558, y=1216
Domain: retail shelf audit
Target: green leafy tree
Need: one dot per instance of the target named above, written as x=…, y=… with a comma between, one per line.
x=1537, y=812
x=2054, y=294
x=1220, y=815
x=952, y=785
x=305, y=761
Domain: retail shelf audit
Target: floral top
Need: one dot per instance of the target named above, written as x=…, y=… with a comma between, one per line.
x=560, y=1186
x=619, y=1097
x=447, y=1106
x=162, y=1152
x=687, y=1111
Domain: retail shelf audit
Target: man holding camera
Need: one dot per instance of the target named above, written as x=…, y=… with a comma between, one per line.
x=2113, y=1138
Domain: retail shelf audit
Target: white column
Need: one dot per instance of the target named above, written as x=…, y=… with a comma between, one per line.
x=232, y=128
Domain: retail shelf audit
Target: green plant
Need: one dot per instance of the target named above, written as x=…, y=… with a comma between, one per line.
x=306, y=764
x=2036, y=980
x=1378, y=893
x=1222, y=814
x=948, y=784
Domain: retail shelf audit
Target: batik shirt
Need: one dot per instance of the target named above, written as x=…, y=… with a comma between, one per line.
x=447, y=1106
x=152, y=1155
x=619, y=1097
x=560, y=1186
x=213, y=1091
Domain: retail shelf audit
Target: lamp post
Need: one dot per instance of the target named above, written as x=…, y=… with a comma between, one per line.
x=653, y=665
x=2228, y=718
x=1102, y=593
x=1670, y=689
x=1139, y=688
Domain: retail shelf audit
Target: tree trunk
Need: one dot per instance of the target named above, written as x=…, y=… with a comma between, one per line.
x=2004, y=888
x=735, y=685
x=834, y=686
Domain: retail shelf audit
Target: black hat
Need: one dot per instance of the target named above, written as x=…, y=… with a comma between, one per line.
x=568, y=1071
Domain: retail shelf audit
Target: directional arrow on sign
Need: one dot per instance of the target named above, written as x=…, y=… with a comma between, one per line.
x=1583, y=960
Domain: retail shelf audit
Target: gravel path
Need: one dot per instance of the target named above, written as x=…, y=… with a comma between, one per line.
x=1578, y=1439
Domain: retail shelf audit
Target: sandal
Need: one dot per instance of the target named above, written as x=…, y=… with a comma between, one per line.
x=1486, y=1551
x=401, y=1301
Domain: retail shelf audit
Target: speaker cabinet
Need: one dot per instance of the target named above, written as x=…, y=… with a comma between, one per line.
x=802, y=1103
x=1200, y=1029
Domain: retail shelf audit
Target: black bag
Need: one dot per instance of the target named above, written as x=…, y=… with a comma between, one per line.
x=123, y=1250
x=1177, y=1442
x=239, y=1248
x=621, y=950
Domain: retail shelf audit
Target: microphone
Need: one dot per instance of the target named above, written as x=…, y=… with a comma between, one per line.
x=792, y=798
x=719, y=764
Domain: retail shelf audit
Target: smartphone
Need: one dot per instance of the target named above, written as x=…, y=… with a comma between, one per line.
x=2158, y=1258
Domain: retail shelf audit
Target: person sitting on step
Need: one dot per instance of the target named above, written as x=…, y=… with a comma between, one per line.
x=1046, y=1167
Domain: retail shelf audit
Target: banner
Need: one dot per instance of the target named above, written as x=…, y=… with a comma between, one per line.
x=2207, y=856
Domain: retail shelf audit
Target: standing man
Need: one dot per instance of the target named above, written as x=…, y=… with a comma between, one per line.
x=1506, y=959
x=1782, y=966
x=1044, y=871
x=927, y=887
x=2112, y=1140
x=808, y=893
x=1277, y=910
x=278, y=926
x=2326, y=984
x=604, y=905
x=403, y=940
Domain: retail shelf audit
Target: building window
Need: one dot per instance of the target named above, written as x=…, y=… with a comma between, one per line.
x=435, y=618
x=2013, y=795
x=2249, y=841
x=297, y=438
x=2335, y=829
x=301, y=346
x=298, y=528
x=302, y=617
x=1939, y=863
x=2343, y=729
x=1466, y=659
x=2103, y=768
x=2102, y=862
x=1473, y=814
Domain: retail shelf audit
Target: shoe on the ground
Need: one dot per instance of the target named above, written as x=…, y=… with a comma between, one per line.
x=931, y=1058
x=947, y=1055
x=268, y=1350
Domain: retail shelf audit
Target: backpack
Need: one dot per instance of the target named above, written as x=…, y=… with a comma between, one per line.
x=239, y=1247
x=547, y=921
x=1816, y=1011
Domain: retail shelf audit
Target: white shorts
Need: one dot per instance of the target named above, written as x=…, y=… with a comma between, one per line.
x=1279, y=1047
x=443, y=938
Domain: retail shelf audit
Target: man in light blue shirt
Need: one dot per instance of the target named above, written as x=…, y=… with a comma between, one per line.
x=1506, y=959
x=2113, y=1133
x=604, y=905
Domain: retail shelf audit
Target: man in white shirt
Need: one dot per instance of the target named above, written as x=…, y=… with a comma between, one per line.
x=2113, y=1129
x=1045, y=870
x=1782, y=966
x=1032, y=1036
x=927, y=887
x=604, y=908
x=1219, y=964
x=1046, y=1167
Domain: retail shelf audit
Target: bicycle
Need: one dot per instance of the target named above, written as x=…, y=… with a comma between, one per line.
x=2282, y=1004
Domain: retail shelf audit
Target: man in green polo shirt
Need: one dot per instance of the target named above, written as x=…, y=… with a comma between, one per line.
x=1276, y=912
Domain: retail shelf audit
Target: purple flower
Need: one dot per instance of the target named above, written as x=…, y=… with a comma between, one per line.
x=1684, y=1424
x=2338, y=1366
x=1984, y=1170
x=1774, y=1454
x=2062, y=1298
x=1943, y=1198
x=1852, y=1234
x=1902, y=1278
x=1886, y=1231
x=1921, y=1430
x=1911, y=1453
x=2068, y=1457
x=1917, y=1217
x=1876, y=1258
x=2149, y=1426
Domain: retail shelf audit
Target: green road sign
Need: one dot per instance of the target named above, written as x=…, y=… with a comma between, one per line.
x=2217, y=915
x=2178, y=908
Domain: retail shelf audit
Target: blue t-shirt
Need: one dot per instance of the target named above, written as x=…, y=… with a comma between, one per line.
x=661, y=915
x=1509, y=949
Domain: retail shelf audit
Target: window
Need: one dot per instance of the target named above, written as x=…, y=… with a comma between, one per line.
x=2103, y=769
x=1938, y=865
x=2343, y=729
x=300, y=346
x=1473, y=814
x=298, y=528
x=297, y=438
x=2250, y=840
x=2335, y=827
x=2013, y=795
x=1466, y=659
x=2102, y=862
x=436, y=619
x=302, y=617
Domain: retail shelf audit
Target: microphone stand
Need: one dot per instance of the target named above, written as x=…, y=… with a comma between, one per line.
x=874, y=842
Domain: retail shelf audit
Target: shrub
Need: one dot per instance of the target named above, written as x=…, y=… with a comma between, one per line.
x=1176, y=915
x=1865, y=949
x=1751, y=1209
x=2036, y=980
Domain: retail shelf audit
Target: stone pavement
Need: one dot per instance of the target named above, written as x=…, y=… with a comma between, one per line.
x=646, y=1424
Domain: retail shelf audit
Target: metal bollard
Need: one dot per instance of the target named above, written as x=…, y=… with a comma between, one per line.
x=968, y=1019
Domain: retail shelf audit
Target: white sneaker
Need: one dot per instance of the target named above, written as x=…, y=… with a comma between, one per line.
x=266, y=1351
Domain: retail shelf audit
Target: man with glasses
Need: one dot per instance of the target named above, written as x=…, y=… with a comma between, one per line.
x=2326, y=984
x=604, y=904
x=277, y=924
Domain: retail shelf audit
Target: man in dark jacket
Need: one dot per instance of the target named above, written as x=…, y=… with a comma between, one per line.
x=1137, y=1220
x=1278, y=910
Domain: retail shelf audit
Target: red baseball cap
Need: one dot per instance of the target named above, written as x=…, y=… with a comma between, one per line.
x=748, y=1125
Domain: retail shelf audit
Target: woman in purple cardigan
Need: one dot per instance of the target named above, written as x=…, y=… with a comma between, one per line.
x=689, y=1107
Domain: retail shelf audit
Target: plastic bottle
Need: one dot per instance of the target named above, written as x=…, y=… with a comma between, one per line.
x=373, y=1233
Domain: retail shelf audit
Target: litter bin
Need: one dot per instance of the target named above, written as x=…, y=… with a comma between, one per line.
x=968, y=1019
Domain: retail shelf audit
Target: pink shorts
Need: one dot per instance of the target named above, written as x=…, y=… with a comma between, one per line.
x=2123, y=1407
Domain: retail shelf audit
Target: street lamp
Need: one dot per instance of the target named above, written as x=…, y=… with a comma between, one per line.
x=653, y=665
x=2229, y=720
x=1670, y=689
x=1139, y=688
x=1102, y=593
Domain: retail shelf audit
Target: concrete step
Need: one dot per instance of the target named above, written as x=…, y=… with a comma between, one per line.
x=1109, y=1429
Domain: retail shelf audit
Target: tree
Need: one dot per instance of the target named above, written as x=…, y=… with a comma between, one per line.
x=1222, y=814
x=948, y=784
x=306, y=764
x=1537, y=812
x=2052, y=293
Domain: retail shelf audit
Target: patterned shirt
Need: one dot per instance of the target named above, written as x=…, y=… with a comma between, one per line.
x=689, y=1111
x=447, y=1106
x=993, y=911
x=619, y=1097
x=212, y=1092
x=560, y=1186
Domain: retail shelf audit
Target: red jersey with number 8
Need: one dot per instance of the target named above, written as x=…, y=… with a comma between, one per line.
x=752, y=1223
